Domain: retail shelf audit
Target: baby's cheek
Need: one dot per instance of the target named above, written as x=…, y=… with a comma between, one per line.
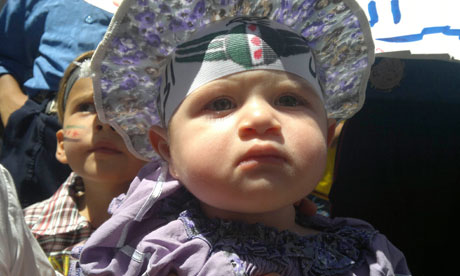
x=312, y=154
x=194, y=166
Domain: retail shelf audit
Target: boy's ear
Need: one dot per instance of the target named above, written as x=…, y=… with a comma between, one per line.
x=60, y=152
x=159, y=140
x=331, y=124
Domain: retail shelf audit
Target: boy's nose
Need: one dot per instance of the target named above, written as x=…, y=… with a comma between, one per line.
x=259, y=119
x=101, y=126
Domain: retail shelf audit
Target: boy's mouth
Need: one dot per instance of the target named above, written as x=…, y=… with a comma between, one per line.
x=105, y=147
x=261, y=155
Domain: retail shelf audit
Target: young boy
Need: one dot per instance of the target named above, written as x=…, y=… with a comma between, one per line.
x=101, y=164
x=242, y=96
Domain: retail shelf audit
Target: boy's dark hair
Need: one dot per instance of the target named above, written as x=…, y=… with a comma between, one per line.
x=60, y=96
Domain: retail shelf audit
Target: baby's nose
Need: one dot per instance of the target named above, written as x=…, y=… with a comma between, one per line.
x=259, y=119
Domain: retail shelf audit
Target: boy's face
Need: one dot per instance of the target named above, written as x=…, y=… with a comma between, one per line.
x=250, y=142
x=93, y=150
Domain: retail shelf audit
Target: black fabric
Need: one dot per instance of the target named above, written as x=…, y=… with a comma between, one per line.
x=398, y=164
x=28, y=152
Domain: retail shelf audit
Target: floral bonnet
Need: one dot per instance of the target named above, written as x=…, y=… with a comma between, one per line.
x=147, y=38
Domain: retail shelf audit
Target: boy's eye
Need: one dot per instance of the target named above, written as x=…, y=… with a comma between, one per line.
x=290, y=101
x=220, y=104
x=86, y=107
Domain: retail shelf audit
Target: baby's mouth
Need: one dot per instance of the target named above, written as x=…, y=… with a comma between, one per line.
x=259, y=155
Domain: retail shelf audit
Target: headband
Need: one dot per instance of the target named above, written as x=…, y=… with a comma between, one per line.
x=228, y=47
x=82, y=70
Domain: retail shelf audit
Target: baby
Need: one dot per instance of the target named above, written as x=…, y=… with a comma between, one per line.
x=242, y=111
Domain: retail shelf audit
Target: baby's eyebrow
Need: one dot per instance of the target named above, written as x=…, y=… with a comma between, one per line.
x=224, y=82
x=216, y=87
x=295, y=84
x=288, y=85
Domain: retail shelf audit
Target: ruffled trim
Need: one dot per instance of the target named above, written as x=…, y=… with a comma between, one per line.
x=336, y=250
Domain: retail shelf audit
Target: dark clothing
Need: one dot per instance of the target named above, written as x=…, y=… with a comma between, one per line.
x=29, y=152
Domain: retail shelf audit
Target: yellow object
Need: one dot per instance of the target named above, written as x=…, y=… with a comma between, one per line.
x=324, y=186
x=60, y=263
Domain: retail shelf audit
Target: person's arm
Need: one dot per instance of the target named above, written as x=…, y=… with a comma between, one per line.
x=21, y=27
x=11, y=97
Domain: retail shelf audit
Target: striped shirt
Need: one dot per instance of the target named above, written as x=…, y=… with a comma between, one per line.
x=57, y=224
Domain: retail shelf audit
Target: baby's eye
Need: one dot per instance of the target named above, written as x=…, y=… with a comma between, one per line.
x=220, y=104
x=86, y=107
x=290, y=101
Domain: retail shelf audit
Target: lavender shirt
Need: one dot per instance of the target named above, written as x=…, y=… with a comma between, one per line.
x=158, y=228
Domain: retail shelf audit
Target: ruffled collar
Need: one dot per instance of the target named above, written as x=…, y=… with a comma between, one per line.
x=335, y=250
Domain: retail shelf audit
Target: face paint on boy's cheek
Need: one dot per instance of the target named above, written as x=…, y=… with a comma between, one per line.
x=74, y=133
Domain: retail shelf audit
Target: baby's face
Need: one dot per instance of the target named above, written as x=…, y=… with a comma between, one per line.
x=250, y=142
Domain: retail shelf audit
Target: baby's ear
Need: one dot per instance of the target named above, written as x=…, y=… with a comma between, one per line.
x=159, y=140
x=331, y=135
x=60, y=152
